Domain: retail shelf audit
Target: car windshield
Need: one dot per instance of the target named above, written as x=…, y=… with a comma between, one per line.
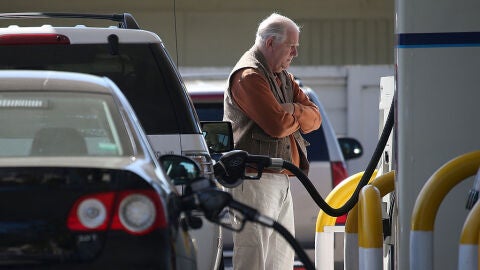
x=57, y=123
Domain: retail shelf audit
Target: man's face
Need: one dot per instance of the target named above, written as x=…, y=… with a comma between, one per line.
x=284, y=52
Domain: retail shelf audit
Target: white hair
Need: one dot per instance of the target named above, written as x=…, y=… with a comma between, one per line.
x=275, y=26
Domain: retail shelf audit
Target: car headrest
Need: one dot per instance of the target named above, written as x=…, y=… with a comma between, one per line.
x=58, y=141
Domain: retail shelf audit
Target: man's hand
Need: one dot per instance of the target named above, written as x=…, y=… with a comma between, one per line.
x=288, y=107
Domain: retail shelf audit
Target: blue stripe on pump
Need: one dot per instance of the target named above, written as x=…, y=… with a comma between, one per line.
x=434, y=40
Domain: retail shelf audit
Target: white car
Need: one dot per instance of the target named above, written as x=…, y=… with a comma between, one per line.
x=325, y=153
x=139, y=64
x=80, y=185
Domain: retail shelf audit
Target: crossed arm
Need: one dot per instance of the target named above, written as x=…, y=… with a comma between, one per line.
x=252, y=93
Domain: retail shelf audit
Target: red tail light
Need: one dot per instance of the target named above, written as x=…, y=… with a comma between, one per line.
x=26, y=39
x=91, y=212
x=137, y=212
x=339, y=173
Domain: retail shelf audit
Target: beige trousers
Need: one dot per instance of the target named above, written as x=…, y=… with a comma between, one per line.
x=258, y=247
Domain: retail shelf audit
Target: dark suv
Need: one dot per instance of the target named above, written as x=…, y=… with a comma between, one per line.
x=138, y=62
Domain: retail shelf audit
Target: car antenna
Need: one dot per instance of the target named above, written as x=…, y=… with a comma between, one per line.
x=175, y=29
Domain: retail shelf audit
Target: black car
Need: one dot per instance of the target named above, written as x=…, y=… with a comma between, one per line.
x=80, y=186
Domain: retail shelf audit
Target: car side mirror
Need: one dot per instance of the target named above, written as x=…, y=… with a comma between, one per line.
x=218, y=135
x=185, y=171
x=351, y=148
x=182, y=170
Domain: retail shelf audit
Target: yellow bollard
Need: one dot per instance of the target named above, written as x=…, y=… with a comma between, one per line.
x=385, y=184
x=370, y=230
x=428, y=202
x=468, y=248
x=336, y=198
x=350, y=246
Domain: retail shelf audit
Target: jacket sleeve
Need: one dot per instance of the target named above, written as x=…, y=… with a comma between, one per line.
x=306, y=112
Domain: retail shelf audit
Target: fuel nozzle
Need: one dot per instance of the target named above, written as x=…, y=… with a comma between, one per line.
x=230, y=169
x=474, y=191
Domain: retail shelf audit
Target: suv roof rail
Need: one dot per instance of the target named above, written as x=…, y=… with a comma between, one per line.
x=125, y=20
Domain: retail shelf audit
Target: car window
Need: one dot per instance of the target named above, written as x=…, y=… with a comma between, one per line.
x=61, y=123
x=209, y=111
x=318, y=149
x=143, y=73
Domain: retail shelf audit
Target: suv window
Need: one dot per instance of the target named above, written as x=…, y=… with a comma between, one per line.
x=141, y=71
x=316, y=151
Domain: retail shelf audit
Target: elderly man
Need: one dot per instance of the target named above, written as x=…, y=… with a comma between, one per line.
x=268, y=112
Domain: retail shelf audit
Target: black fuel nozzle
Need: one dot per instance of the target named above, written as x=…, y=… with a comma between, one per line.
x=230, y=168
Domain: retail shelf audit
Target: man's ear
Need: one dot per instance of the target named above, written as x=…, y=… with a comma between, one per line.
x=269, y=42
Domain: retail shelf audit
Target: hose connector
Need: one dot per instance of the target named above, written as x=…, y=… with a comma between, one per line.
x=474, y=191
